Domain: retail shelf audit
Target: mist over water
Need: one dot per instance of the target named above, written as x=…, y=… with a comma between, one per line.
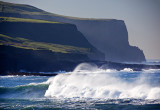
x=89, y=81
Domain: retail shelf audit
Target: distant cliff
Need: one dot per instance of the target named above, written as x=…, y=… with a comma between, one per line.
x=108, y=35
x=111, y=38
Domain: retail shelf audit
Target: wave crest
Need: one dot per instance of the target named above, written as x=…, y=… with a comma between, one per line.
x=89, y=81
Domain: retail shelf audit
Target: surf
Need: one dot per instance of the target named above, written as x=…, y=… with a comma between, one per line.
x=90, y=81
x=29, y=91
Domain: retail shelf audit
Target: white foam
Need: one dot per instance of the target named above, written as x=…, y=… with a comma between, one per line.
x=151, y=70
x=89, y=81
x=8, y=76
x=127, y=70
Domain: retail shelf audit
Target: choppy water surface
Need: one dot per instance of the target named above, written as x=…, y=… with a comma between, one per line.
x=87, y=87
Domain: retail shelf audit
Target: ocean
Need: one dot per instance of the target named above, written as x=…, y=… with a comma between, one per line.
x=87, y=87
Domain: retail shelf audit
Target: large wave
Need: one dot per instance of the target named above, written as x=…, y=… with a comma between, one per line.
x=89, y=81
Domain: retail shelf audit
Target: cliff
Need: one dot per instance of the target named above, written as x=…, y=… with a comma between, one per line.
x=38, y=45
x=111, y=38
x=58, y=33
x=48, y=32
x=108, y=35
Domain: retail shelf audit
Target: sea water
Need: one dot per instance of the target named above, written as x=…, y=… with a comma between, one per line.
x=87, y=87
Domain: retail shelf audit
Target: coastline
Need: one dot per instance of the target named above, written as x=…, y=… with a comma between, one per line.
x=99, y=64
x=28, y=74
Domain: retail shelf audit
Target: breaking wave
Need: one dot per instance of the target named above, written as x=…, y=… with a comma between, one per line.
x=89, y=81
x=24, y=91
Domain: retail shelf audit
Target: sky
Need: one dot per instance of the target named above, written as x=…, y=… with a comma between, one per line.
x=142, y=17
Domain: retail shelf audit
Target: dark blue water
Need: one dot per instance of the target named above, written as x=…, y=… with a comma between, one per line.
x=90, y=88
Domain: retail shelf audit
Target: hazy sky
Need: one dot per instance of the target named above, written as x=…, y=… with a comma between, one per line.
x=142, y=17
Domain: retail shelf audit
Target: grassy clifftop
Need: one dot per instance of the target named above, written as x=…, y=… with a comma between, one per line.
x=22, y=42
x=31, y=10
x=43, y=31
x=29, y=44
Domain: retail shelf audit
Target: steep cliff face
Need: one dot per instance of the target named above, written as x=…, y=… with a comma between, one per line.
x=49, y=32
x=108, y=35
x=111, y=38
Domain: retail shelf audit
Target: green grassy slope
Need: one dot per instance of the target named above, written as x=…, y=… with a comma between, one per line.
x=29, y=44
x=18, y=8
x=20, y=42
x=13, y=19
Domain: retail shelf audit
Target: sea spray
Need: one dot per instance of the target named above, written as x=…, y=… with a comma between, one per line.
x=89, y=81
x=110, y=86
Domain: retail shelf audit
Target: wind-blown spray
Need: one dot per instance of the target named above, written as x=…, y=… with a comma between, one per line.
x=89, y=81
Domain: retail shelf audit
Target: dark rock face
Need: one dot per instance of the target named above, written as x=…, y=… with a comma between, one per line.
x=111, y=37
x=13, y=60
x=16, y=59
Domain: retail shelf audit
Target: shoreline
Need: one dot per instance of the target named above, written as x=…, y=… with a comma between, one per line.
x=28, y=74
x=107, y=65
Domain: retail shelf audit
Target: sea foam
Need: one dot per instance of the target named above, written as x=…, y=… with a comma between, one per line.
x=89, y=81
